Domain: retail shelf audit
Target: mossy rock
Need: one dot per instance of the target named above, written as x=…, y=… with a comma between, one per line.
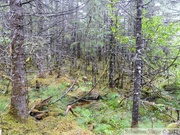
x=174, y=125
x=163, y=117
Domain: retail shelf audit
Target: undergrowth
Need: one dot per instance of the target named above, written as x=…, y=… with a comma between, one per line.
x=107, y=116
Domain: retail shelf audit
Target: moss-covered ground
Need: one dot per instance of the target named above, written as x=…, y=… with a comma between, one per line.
x=106, y=116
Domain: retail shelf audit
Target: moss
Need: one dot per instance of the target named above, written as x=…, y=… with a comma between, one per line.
x=51, y=80
x=11, y=125
x=5, y=99
x=13, y=112
x=68, y=126
x=174, y=125
x=78, y=131
x=162, y=117
x=56, y=124
x=49, y=125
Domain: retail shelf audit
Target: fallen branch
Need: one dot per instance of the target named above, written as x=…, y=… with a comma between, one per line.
x=6, y=77
x=45, y=101
x=70, y=107
x=94, y=86
x=125, y=97
x=156, y=107
x=37, y=109
x=80, y=98
x=66, y=92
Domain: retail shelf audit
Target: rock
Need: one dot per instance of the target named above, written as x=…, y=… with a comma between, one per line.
x=174, y=125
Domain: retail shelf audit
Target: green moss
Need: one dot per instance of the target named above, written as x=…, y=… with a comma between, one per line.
x=174, y=125
x=11, y=125
x=49, y=125
x=4, y=102
x=104, y=116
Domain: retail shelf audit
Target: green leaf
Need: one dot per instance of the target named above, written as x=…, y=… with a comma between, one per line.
x=113, y=29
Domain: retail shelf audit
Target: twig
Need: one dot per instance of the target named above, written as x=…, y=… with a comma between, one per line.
x=67, y=91
x=46, y=100
x=42, y=103
x=26, y=2
x=6, y=77
x=127, y=96
x=147, y=3
x=84, y=95
x=152, y=104
x=31, y=109
x=80, y=98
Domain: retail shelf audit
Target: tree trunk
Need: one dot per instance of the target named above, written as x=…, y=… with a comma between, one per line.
x=18, y=99
x=111, y=66
x=40, y=56
x=99, y=53
x=94, y=70
x=78, y=50
x=40, y=64
x=112, y=57
x=138, y=66
x=57, y=35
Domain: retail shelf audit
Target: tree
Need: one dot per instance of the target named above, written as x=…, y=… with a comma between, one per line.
x=112, y=51
x=40, y=56
x=18, y=99
x=138, y=65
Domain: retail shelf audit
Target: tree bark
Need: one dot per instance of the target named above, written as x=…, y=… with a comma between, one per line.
x=57, y=35
x=138, y=66
x=18, y=99
x=112, y=56
x=111, y=64
x=40, y=56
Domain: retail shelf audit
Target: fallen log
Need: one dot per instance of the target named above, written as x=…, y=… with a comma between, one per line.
x=37, y=109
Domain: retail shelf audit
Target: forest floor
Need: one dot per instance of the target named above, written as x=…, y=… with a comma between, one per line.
x=100, y=110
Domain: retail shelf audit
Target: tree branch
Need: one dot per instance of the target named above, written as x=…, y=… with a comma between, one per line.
x=21, y=4
x=67, y=91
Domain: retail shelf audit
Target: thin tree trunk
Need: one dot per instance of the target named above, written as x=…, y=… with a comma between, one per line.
x=56, y=39
x=18, y=99
x=78, y=50
x=99, y=53
x=94, y=70
x=112, y=58
x=138, y=66
x=40, y=57
x=50, y=53
x=111, y=67
x=31, y=22
x=40, y=65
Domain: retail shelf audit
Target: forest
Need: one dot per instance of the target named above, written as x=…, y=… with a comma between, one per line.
x=89, y=67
